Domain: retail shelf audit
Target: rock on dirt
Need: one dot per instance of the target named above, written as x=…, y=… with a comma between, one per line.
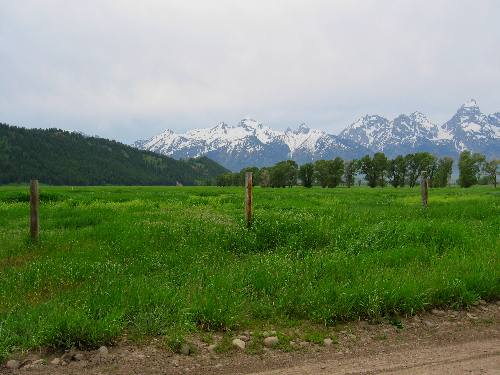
x=103, y=350
x=271, y=341
x=438, y=312
x=12, y=364
x=240, y=344
x=185, y=349
x=472, y=316
x=327, y=342
x=67, y=357
x=56, y=361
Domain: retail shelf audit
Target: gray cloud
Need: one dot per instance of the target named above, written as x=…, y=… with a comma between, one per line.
x=129, y=69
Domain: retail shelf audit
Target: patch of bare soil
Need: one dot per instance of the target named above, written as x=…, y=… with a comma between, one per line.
x=440, y=342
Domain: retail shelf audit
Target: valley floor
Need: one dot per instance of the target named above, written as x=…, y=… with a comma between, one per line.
x=153, y=271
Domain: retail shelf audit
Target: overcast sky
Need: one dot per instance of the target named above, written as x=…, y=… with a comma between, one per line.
x=128, y=69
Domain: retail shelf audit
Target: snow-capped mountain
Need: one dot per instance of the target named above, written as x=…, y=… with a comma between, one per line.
x=473, y=130
x=402, y=135
x=467, y=129
x=250, y=143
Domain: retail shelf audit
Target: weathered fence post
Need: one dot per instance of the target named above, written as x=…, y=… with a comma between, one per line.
x=248, y=198
x=34, y=210
x=424, y=187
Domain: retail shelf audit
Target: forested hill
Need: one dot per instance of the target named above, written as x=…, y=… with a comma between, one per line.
x=60, y=157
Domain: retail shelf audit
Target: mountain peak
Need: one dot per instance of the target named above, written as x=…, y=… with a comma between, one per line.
x=471, y=103
x=303, y=128
x=221, y=125
x=250, y=124
x=418, y=115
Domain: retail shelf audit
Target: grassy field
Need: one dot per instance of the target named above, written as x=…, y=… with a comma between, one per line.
x=169, y=261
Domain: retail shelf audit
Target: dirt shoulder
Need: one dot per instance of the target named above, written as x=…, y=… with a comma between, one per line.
x=442, y=342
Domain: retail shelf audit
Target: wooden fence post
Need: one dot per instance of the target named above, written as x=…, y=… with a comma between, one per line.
x=34, y=210
x=424, y=187
x=248, y=198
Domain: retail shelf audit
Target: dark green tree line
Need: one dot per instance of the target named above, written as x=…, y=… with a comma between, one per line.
x=377, y=170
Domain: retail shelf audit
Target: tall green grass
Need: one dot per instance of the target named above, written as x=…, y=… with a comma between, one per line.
x=158, y=260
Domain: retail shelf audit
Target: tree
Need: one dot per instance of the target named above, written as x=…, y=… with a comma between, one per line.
x=480, y=162
x=306, y=174
x=329, y=172
x=337, y=170
x=380, y=164
x=368, y=169
x=238, y=179
x=291, y=173
x=60, y=157
x=264, y=177
x=284, y=174
x=469, y=167
x=491, y=170
x=417, y=163
x=374, y=169
x=225, y=179
x=443, y=172
x=255, y=175
x=411, y=169
x=397, y=171
x=277, y=175
x=350, y=169
x=322, y=172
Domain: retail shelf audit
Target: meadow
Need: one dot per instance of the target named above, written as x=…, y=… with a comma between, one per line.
x=171, y=261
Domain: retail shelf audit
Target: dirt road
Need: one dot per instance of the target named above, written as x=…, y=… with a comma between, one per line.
x=441, y=342
x=479, y=357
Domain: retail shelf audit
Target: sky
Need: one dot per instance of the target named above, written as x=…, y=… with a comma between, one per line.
x=128, y=69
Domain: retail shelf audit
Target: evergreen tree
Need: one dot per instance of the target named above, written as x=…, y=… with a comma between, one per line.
x=60, y=157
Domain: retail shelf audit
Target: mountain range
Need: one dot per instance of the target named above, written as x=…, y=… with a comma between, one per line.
x=250, y=143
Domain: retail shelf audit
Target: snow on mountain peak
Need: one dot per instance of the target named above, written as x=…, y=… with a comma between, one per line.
x=250, y=123
x=472, y=103
x=302, y=129
x=422, y=119
x=168, y=132
x=249, y=142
